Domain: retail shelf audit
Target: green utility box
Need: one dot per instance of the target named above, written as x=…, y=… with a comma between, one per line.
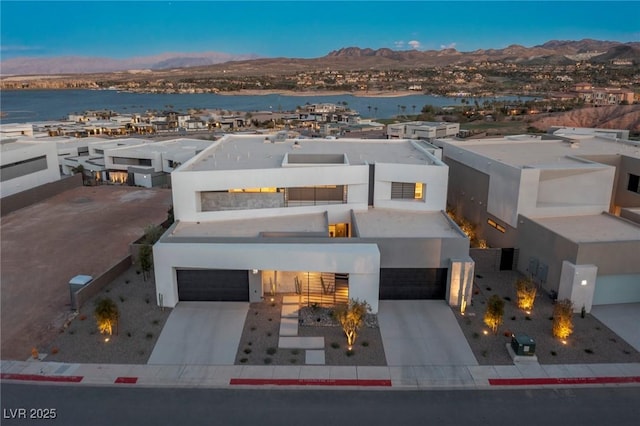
x=523, y=345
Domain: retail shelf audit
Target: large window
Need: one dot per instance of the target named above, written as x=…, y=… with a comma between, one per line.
x=23, y=168
x=407, y=191
x=132, y=161
x=255, y=190
x=316, y=195
x=634, y=183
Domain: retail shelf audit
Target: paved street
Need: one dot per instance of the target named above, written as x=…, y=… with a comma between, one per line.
x=164, y=406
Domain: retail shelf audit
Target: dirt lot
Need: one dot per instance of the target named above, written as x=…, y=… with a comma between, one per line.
x=81, y=231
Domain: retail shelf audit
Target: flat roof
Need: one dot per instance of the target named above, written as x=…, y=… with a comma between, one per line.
x=252, y=227
x=10, y=144
x=172, y=145
x=236, y=152
x=592, y=228
x=391, y=223
x=534, y=151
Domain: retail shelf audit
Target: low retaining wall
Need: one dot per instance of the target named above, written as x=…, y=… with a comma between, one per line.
x=31, y=196
x=491, y=259
x=94, y=287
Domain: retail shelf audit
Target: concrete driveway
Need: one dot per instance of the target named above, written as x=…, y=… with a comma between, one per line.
x=201, y=333
x=623, y=319
x=422, y=332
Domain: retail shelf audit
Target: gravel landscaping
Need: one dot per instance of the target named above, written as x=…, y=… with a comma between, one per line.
x=259, y=341
x=139, y=326
x=591, y=341
x=141, y=321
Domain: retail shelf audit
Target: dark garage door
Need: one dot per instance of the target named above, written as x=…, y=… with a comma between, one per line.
x=213, y=285
x=413, y=283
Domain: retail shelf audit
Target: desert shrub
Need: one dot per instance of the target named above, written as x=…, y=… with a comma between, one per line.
x=526, y=291
x=562, y=319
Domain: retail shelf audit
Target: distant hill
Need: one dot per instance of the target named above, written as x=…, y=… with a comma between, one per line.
x=558, y=52
x=607, y=117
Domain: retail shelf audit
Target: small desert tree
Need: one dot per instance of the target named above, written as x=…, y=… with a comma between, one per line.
x=152, y=234
x=526, y=291
x=563, y=319
x=106, y=314
x=351, y=317
x=494, y=313
x=145, y=259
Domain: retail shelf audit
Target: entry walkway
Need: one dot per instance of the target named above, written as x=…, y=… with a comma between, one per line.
x=201, y=333
x=289, y=339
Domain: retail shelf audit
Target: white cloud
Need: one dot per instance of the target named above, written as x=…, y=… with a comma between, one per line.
x=399, y=44
x=415, y=44
x=448, y=46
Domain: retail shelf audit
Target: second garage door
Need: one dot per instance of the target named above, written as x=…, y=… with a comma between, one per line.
x=213, y=285
x=413, y=283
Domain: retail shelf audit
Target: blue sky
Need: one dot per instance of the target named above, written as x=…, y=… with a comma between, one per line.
x=304, y=29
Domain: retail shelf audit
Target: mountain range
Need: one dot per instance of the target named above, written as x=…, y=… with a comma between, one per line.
x=84, y=65
x=557, y=52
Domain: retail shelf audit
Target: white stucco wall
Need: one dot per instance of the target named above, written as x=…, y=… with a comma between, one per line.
x=566, y=191
x=23, y=151
x=360, y=261
x=578, y=283
x=434, y=178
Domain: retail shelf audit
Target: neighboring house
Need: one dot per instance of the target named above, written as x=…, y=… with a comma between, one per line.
x=327, y=219
x=149, y=164
x=422, y=130
x=555, y=198
x=15, y=129
x=603, y=95
x=25, y=165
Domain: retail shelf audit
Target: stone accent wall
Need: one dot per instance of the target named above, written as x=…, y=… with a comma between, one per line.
x=220, y=201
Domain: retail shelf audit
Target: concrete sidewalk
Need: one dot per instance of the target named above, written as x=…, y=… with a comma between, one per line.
x=397, y=378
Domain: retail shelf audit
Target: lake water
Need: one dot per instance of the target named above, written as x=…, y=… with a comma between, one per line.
x=20, y=106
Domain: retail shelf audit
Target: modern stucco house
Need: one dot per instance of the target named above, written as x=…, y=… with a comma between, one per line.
x=564, y=201
x=323, y=218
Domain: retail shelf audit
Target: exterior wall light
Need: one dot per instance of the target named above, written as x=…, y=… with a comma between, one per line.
x=583, y=282
x=254, y=271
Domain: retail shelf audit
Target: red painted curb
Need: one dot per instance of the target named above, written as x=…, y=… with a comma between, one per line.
x=311, y=382
x=564, y=381
x=126, y=380
x=40, y=378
